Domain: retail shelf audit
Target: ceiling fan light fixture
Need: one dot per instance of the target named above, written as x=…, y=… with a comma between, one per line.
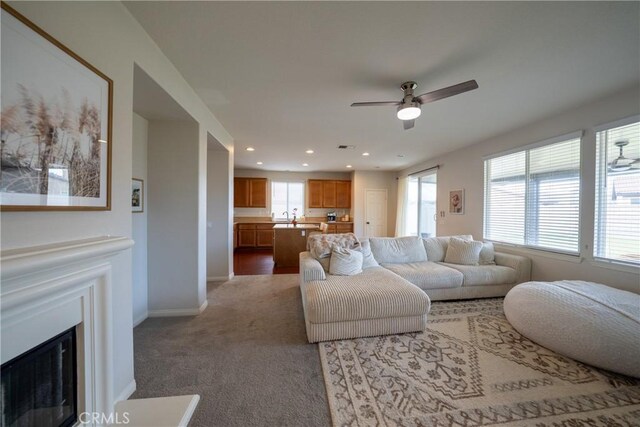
x=409, y=111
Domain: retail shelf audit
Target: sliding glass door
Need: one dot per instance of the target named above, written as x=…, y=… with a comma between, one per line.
x=421, y=206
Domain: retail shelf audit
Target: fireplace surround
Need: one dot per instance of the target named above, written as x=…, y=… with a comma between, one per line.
x=47, y=290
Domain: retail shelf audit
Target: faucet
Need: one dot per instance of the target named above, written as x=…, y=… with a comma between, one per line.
x=286, y=213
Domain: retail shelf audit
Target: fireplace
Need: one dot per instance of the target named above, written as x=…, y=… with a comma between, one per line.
x=39, y=387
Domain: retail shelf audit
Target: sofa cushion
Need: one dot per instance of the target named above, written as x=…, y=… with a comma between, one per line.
x=478, y=275
x=487, y=254
x=368, y=260
x=345, y=262
x=320, y=245
x=465, y=252
x=427, y=275
x=375, y=293
x=398, y=249
x=436, y=247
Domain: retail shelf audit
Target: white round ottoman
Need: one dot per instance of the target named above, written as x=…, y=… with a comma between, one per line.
x=588, y=322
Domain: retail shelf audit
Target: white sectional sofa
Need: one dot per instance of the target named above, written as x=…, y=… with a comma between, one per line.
x=394, y=296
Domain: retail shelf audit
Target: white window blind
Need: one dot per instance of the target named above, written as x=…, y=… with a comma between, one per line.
x=617, y=207
x=532, y=197
x=285, y=197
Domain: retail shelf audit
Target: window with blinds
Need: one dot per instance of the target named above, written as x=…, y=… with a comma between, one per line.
x=532, y=197
x=617, y=207
x=285, y=197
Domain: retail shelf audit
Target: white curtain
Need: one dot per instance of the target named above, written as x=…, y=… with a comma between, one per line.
x=403, y=203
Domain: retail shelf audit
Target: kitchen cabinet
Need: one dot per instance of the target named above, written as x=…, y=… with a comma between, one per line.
x=340, y=228
x=315, y=193
x=255, y=235
x=246, y=235
x=326, y=193
x=264, y=235
x=343, y=194
x=235, y=236
x=249, y=192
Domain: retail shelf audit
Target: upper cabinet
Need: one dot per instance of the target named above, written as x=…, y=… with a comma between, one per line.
x=324, y=193
x=250, y=192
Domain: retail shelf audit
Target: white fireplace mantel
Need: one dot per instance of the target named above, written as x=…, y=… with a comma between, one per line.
x=45, y=290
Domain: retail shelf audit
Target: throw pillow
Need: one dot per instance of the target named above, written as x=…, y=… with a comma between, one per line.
x=368, y=260
x=487, y=254
x=345, y=262
x=436, y=247
x=320, y=244
x=464, y=252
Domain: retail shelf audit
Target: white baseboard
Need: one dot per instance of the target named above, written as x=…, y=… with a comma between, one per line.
x=140, y=319
x=175, y=312
x=219, y=278
x=127, y=392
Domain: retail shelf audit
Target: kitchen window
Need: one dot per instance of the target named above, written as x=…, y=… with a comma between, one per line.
x=285, y=197
x=617, y=207
x=532, y=196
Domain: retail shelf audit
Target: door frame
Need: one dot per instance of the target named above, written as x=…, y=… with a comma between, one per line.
x=386, y=212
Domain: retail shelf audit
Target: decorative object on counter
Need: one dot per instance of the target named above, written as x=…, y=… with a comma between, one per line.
x=295, y=213
x=331, y=216
x=56, y=131
x=137, y=195
x=456, y=202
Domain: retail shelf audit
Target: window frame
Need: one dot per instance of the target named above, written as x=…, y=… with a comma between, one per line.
x=577, y=254
x=278, y=215
x=600, y=176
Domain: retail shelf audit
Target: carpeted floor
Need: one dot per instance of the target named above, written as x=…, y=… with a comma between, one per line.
x=246, y=355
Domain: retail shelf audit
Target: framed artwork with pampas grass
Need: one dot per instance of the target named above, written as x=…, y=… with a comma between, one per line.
x=56, y=124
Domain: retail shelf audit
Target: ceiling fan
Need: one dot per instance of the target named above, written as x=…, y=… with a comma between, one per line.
x=409, y=107
x=622, y=163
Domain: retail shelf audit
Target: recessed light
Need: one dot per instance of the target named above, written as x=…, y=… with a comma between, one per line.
x=305, y=164
x=349, y=166
x=258, y=163
x=365, y=154
x=309, y=151
x=250, y=149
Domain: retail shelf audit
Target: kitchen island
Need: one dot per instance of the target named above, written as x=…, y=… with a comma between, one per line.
x=288, y=241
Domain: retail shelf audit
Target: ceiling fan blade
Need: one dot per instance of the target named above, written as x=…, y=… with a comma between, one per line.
x=376, y=104
x=447, y=92
x=408, y=124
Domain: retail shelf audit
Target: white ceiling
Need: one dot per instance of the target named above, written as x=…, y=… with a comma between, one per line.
x=281, y=76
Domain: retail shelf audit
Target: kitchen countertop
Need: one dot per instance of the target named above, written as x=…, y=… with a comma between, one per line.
x=250, y=221
x=296, y=226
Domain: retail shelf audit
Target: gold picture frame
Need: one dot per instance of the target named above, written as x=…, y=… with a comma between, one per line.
x=57, y=119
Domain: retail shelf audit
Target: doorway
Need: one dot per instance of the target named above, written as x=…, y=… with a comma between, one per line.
x=422, y=205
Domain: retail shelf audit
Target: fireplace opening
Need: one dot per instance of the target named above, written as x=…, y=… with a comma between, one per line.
x=39, y=387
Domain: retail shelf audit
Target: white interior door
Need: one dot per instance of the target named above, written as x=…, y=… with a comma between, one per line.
x=375, y=213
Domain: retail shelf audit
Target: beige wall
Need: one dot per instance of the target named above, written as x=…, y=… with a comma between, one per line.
x=113, y=41
x=139, y=221
x=464, y=169
x=288, y=176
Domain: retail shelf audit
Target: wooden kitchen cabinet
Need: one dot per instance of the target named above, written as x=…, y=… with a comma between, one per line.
x=343, y=194
x=315, y=193
x=264, y=235
x=246, y=235
x=255, y=235
x=326, y=193
x=249, y=192
x=340, y=228
x=329, y=194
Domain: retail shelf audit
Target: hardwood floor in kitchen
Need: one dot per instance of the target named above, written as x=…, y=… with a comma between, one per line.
x=251, y=262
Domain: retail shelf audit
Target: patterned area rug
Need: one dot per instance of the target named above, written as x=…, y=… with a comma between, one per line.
x=469, y=368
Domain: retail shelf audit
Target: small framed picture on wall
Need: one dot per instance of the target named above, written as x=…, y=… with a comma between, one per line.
x=456, y=202
x=137, y=195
